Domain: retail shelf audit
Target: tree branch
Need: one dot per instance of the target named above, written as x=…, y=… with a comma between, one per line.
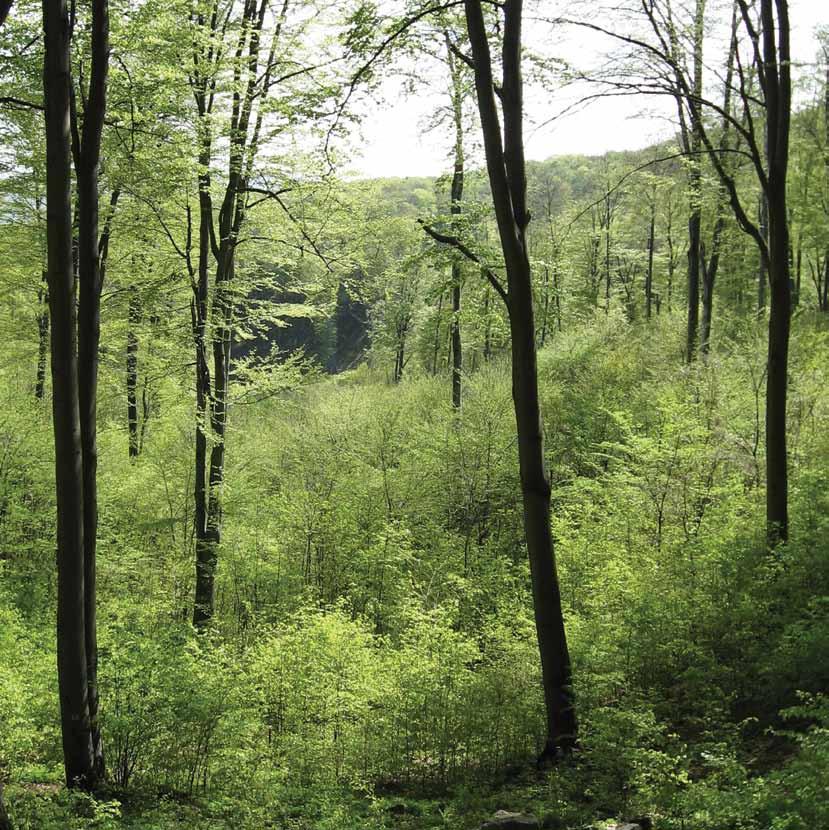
x=454, y=242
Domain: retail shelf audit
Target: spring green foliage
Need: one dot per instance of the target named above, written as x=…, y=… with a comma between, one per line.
x=374, y=660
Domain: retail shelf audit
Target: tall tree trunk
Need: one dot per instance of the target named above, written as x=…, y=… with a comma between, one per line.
x=87, y=154
x=692, y=145
x=76, y=726
x=649, y=276
x=777, y=58
x=823, y=299
x=710, y=267
x=212, y=403
x=694, y=242
x=607, y=220
x=669, y=240
x=133, y=321
x=709, y=273
x=455, y=209
x=457, y=354
x=507, y=177
x=205, y=564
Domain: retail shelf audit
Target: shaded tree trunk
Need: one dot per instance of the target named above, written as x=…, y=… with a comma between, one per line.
x=87, y=152
x=545, y=310
x=487, y=327
x=710, y=266
x=436, y=345
x=212, y=393
x=457, y=354
x=507, y=178
x=694, y=243
x=762, y=267
x=455, y=209
x=42, y=337
x=133, y=320
x=76, y=726
x=400, y=355
x=649, y=275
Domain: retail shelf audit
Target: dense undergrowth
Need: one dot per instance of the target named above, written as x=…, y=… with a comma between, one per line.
x=373, y=663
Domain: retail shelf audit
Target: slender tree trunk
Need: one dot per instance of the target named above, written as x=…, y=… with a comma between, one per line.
x=763, y=266
x=456, y=195
x=436, y=345
x=694, y=241
x=87, y=160
x=777, y=512
x=608, y=218
x=205, y=562
x=824, y=302
x=649, y=276
x=457, y=354
x=507, y=177
x=669, y=240
x=777, y=57
x=400, y=356
x=545, y=310
x=710, y=266
x=487, y=326
x=708, y=276
x=133, y=320
x=692, y=144
x=76, y=727
x=823, y=298
x=557, y=295
x=710, y=269
x=42, y=337
x=213, y=402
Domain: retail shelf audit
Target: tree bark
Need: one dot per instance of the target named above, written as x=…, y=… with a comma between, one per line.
x=87, y=152
x=507, y=178
x=762, y=266
x=455, y=209
x=649, y=276
x=76, y=726
x=212, y=394
x=42, y=337
x=777, y=58
x=133, y=320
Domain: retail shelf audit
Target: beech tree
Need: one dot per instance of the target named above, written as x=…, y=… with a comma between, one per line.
x=768, y=40
x=506, y=171
x=507, y=178
x=256, y=46
x=73, y=661
x=761, y=121
x=86, y=151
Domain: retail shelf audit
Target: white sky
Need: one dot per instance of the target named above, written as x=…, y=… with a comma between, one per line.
x=397, y=144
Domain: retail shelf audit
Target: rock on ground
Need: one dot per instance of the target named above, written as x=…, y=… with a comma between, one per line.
x=502, y=820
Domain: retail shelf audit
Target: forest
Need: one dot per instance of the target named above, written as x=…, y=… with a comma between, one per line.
x=493, y=499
